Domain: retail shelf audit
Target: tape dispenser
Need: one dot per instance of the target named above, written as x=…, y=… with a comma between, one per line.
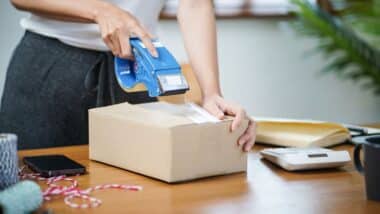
x=161, y=76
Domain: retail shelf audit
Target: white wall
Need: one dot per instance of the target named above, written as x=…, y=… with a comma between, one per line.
x=9, y=36
x=262, y=67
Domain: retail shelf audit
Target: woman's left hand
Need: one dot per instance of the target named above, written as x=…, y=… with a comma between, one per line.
x=219, y=107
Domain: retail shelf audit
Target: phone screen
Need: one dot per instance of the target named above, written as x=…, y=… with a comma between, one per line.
x=54, y=165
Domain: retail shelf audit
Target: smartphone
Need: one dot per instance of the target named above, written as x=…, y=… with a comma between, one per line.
x=53, y=165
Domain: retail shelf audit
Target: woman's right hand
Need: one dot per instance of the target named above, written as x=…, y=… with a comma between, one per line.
x=117, y=26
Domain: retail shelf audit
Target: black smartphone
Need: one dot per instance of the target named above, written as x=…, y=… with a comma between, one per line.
x=53, y=165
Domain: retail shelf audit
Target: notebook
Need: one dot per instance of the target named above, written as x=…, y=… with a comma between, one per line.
x=300, y=133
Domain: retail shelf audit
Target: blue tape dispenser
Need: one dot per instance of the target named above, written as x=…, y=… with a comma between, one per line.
x=161, y=76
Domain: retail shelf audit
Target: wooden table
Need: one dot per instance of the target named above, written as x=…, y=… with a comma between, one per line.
x=265, y=188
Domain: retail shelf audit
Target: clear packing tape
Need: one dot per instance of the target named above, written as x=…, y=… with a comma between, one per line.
x=190, y=111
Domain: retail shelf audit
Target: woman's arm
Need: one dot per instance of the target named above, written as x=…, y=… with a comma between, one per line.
x=68, y=10
x=197, y=23
x=116, y=25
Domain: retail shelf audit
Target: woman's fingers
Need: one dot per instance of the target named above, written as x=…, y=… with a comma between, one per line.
x=249, y=136
x=125, y=47
x=234, y=110
x=151, y=36
x=214, y=109
x=115, y=39
x=108, y=42
x=239, y=116
x=116, y=28
x=148, y=44
x=244, y=138
x=248, y=146
x=126, y=51
x=218, y=106
x=146, y=40
x=106, y=35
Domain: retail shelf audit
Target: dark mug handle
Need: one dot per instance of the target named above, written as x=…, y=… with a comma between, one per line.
x=358, y=163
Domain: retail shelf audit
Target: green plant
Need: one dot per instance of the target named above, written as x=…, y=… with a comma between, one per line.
x=364, y=17
x=349, y=39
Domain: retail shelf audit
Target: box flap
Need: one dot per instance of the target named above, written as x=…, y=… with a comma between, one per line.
x=161, y=114
x=191, y=111
x=142, y=115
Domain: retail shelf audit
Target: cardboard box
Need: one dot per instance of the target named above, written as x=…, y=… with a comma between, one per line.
x=164, y=141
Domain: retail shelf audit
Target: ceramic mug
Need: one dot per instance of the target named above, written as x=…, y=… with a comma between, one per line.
x=370, y=169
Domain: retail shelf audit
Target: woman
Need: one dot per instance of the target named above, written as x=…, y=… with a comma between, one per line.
x=63, y=65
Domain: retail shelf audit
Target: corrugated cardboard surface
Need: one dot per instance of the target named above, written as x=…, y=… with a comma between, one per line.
x=163, y=146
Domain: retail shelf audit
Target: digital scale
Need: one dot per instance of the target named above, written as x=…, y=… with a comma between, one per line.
x=293, y=159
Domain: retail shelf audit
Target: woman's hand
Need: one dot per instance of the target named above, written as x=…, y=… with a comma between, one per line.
x=116, y=27
x=219, y=107
x=200, y=43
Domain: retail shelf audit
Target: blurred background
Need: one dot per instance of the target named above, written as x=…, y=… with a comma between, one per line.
x=263, y=61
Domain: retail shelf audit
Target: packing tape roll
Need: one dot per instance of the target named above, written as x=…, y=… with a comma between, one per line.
x=23, y=197
x=8, y=160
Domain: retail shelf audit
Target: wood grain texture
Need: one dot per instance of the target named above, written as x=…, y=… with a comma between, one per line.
x=265, y=188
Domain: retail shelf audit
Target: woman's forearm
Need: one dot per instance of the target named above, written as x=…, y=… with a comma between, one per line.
x=115, y=24
x=197, y=23
x=66, y=10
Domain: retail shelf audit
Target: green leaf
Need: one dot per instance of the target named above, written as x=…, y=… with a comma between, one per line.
x=338, y=65
x=351, y=40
